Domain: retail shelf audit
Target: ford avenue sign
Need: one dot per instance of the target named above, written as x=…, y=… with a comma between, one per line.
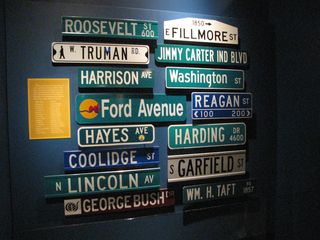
x=111, y=28
x=200, y=30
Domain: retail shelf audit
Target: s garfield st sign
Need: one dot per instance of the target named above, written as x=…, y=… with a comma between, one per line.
x=111, y=108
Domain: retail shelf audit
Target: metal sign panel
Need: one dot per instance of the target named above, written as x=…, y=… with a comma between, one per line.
x=188, y=54
x=214, y=191
x=206, y=135
x=204, y=78
x=206, y=165
x=101, y=182
x=214, y=105
x=200, y=30
x=115, y=78
x=121, y=202
x=112, y=108
x=100, y=53
x=105, y=136
x=110, y=159
x=111, y=28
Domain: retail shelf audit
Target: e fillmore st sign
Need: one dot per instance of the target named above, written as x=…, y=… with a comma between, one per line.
x=115, y=135
x=200, y=30
x=206, y=135
x=215, y=191
x=187, y=54
x=110, y=28
x=121, y=202
x=206, y=165
x=214, y=105
x=115, y=78
x=99, y=53
x=101, y=182
x=112, y=108
x=204, y=78
x=110, y=159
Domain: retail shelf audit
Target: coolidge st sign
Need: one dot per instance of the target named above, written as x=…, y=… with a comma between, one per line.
x=200, y=30
x=100, y=108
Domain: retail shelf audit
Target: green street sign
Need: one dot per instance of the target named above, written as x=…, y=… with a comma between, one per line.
x=116, y=135
x=115, y=78
x=187, y=54
x=111, y=28
x=101, y=182
x=112, y=108
x=215, y=191
x=204, y=78
x=206, y=135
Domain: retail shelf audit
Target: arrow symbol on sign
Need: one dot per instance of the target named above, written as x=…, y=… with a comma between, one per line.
x=248, y=113
x=208, y=24
x=195, y=114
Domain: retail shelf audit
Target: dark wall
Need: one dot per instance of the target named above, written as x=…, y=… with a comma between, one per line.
x=297, y=43
x=5, y=209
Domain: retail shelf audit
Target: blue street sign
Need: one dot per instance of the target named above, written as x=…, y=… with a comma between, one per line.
x=214, y=105
x=107, y=159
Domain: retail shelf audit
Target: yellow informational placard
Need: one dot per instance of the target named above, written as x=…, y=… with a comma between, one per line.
x=49, y=108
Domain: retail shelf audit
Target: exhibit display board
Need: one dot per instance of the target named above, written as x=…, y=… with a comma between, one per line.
x=159, y=123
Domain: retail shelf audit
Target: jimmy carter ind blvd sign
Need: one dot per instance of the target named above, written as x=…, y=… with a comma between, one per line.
x=111, y=28
x=101, y=182
x=185, y=54
x=200, y=30
x=100, y=53
x=206, y=135
x=112, y=108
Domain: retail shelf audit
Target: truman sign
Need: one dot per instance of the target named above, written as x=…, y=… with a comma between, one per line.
x=200, y=30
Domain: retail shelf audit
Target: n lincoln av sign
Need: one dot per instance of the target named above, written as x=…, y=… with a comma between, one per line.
x=200, y=30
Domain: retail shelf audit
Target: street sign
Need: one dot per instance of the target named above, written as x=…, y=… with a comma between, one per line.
x=115, y=78
x=214, y=105
x=100, y=53
x=121, y=202
x=204, y=78
x=123, y=108
x=115, y=135
x=111, y=28
x=101, y=182
x=110, y=159
x=206, y=135
x=200, y=30
x=206, y=165
x=188, y=54
x=215, y=191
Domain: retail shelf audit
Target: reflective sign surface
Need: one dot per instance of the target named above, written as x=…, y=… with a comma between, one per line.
x=111, y=28
x=214, y=191
x=101, y=182
x=101, y=53
x=206, y=165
